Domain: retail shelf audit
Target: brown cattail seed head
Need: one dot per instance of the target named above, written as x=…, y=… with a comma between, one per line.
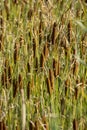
x=51, y=77
x=15, y=87
x=15, y=1
x=54, y=33
x=75, y=68
x=40, y=28
x=15, y=53
x=36, y=125
x=75, y=127
x=30, y=13
x=28, y=90
x=9, y=73
x=34, y=48
x=48, y=86
x=20, y=82
x=1, y=125
x=69, y=31
x=1, y=31
x=31, y=126
x=21, y=41
x=76, y=93
x=42, y=61
x=56, y=67
x=62, y=105
x=36, y=64
x=45, y=50
x=28, y=67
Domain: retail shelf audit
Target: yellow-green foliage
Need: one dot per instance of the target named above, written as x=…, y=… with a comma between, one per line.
x=43, y=65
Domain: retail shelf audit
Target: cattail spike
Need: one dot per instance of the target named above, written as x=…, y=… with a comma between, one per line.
x=51, y=77
x=42, y=61
x=75, y=127
x=15, y=53
x=54, y=33
x=20, y=82
x=28, y=90
x=48, y=86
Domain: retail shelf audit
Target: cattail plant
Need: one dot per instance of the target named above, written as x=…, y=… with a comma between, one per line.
x=40, y=28
x=28, y=90
x=28, y=67
x=75, y=68
x=82, y=86
x=34, y=48
x=4, y=126
x=21, y=41
x=3, y=79
x=76, y=93
x=54, y=33
x=15, y=53
x=15, y=1
x=42, y=61
x=49, y=89
x=2, y=31
x=67, y=82
x=51, y=77
x=30, y=14
x=75, y=124
x=9, y=73
x=20, y=81
x=45, y=50
x=36, y=125
x=15, y=87
x=56, y=67
x=1, y=125
x=31, y=125
x=36, y=64
x=4, y=76
x=62, y=106
x=69, y=31
x=6, y=63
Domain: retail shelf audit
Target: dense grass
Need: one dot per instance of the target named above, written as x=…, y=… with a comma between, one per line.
x=43, y=65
